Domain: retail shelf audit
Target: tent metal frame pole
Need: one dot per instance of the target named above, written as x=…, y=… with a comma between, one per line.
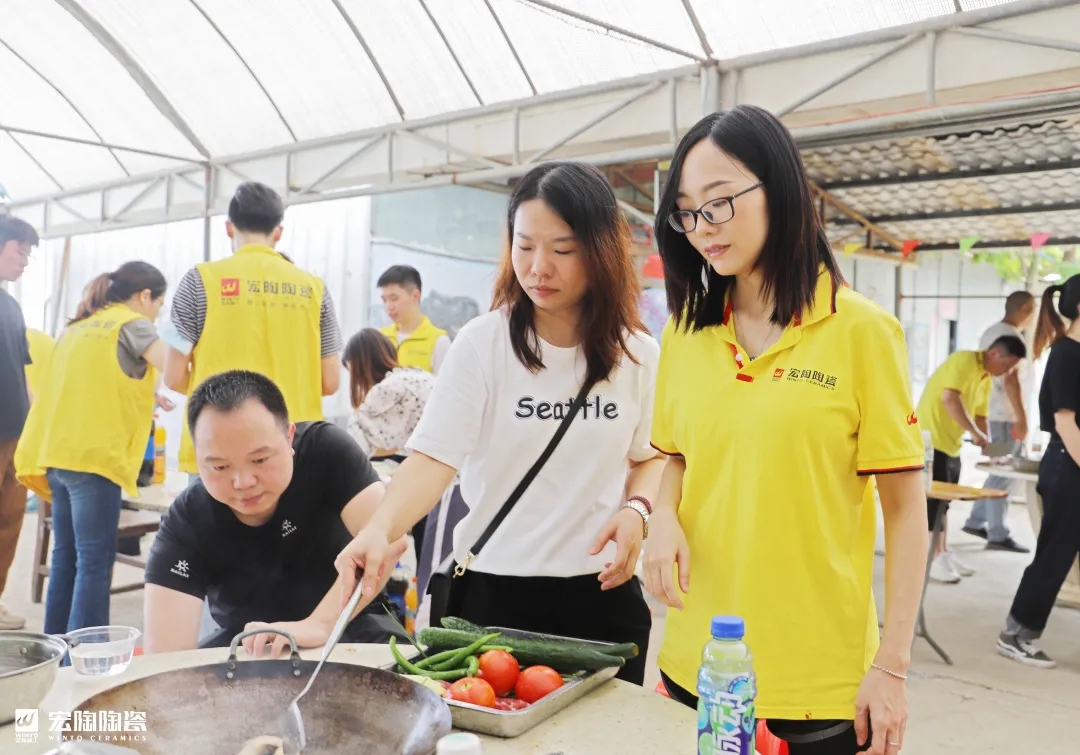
x=1020, y=39
x=453, y=53
x=371, y=56
x=91, y=143
x=703, y=38
x=510, y=44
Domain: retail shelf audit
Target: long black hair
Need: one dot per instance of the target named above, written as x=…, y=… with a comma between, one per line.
x=796, y=246
x=118, y=286
x=1051, y=327
x=583, y=198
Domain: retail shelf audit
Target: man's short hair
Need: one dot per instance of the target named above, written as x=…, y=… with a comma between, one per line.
x=400, y=275
x=1011, y=345
x=256, y=208
x=17, y=229
x=1017, y=301
x=227, y=391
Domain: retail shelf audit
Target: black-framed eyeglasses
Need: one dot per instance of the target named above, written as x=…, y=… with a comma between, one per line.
x=716, y=211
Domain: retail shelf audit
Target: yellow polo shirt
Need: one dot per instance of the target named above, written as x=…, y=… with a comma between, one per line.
x=776, y=500
x=964, y=372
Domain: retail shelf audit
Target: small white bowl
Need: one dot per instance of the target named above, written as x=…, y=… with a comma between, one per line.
x=102, y=651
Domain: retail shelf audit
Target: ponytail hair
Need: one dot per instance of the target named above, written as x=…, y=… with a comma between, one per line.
x=1051, y=326
x=126, y=281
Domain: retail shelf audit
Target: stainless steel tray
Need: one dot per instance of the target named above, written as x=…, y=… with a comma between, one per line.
x=513, y=723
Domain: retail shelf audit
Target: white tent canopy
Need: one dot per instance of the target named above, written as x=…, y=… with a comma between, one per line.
x=128, y=112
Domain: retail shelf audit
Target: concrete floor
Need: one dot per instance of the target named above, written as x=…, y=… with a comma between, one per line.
x=981, y=705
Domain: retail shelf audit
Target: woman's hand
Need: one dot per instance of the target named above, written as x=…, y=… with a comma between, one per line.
x=308, y=633
x=627, y=529
x=665, y=549
x=881, y=702
x=372, y=553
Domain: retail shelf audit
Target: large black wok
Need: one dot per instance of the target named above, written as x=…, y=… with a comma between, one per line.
x=216, y=708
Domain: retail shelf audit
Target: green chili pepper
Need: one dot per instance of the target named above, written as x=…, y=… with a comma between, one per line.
x=465, y=652
x=474, y=666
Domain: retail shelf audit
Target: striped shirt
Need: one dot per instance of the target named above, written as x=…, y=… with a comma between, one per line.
x=188, y=313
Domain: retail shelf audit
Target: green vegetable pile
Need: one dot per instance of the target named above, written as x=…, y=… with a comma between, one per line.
x=452, y=652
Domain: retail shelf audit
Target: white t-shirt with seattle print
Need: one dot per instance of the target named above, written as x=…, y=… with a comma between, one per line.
x=490, y=418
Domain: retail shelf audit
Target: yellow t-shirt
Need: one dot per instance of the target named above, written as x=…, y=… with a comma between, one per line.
x=963, y=371
x=41, y=349
x=776, y=500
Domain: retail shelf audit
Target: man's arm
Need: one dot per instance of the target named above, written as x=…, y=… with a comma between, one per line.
x=177, y=373
x=331, y=374
x=1016, y=400
x=954, y=405
x=331, y=344
x=170, y=620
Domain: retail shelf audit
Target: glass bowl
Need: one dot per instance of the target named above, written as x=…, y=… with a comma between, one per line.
x=102, y=651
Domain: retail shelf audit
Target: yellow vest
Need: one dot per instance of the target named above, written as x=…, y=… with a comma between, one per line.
x=89, y=416
x=41, y=348
x=418, y=348
x=262, y=315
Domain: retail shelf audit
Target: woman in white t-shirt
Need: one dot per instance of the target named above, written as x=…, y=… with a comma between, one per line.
x=565, y=311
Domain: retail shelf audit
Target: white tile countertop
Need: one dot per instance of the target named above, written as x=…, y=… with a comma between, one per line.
x=615, y=719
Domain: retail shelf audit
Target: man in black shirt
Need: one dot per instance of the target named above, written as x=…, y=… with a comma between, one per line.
x=258, y=532
x=17, y=239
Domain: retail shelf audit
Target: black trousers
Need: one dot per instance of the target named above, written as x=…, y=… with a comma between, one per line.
x=842, y=743
x=1059, y=540
x=946, y=469
x=570, y=607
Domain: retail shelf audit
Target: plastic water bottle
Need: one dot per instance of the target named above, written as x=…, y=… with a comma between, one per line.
x=727, y=688
x=396, y=589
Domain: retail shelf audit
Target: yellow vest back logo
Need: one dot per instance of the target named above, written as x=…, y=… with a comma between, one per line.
x=230, y=286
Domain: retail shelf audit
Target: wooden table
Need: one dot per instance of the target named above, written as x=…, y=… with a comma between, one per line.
x=944, y=491
x=153, y=498
x=1070, y=591
x=615, y=719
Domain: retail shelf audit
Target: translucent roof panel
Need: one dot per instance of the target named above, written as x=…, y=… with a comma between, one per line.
x=197, y=79
x=310, y=62
x=416, y=61
x=98, y=86
x=561, y=52
x=204, y=80
x=50, y=113
x=738, y=27
x=19, y=175
x=471, y=29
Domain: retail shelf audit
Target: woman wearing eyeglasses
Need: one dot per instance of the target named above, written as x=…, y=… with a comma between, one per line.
x=780, y=393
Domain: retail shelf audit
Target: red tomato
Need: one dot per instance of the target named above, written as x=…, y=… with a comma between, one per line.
x=510, y=703
x=536, y=682
x=499, y=669
x=474, y=691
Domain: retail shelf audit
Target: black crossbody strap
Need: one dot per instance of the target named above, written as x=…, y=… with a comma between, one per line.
x=533, y=471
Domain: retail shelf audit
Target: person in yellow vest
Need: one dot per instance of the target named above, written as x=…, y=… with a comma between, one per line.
x=41, y=349
x=254, y=311
x=419, y=343
x=84, y=438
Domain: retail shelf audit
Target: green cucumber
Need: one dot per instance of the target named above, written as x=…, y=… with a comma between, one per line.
x=626, y=650
x=562, y=655
x=461, y=625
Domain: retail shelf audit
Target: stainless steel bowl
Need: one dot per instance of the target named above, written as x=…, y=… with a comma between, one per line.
x=28, y=663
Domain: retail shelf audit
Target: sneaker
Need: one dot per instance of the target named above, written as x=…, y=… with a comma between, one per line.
x=941, y=570
x=1008, y=544
x=975, y=531
x=1023, y=651
x=10, y=621
x=959, y=566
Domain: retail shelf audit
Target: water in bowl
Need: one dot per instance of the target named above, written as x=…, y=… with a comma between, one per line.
x=102, y=661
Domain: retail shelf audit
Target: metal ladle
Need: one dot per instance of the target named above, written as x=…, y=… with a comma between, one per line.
x=295, y=738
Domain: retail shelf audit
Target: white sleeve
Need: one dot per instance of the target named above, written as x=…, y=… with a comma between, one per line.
x=442, y=348
x=641, y=449
x=449, y=428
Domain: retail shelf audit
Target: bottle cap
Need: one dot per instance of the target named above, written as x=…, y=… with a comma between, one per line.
x=459, y=743
x=728, y=628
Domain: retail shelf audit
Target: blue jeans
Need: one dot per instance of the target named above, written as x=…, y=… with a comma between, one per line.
x=85, y=520
x=990, y=512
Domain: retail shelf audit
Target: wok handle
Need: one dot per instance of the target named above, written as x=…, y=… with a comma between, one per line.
x=294, y=656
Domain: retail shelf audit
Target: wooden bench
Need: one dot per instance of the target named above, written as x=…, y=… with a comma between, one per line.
x=132, y=524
